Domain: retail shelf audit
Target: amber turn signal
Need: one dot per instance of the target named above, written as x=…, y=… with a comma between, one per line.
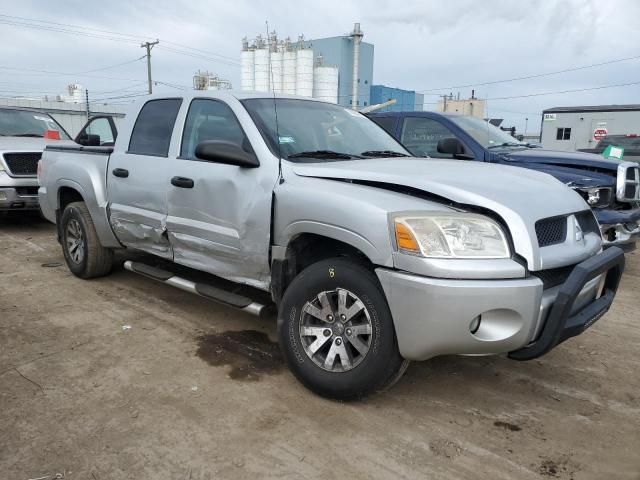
x=405, y=239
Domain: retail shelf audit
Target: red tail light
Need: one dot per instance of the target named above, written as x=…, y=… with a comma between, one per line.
x=52, y=135
x=631, y=135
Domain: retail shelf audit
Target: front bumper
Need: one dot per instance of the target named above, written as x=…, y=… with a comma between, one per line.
x=619, y=228
x=13, y=199
x=18, y=193
x=439, y=316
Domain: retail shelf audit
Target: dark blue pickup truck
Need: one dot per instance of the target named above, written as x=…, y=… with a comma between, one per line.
x=611, y=188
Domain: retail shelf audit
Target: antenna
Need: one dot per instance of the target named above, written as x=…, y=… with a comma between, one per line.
x=275, y=106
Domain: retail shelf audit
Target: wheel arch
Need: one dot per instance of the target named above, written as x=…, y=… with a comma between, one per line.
x=68, y=191
x=305, y=248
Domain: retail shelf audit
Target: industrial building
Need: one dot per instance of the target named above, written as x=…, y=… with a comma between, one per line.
x=573, y=128
x=336, y=69
x=472, y=106
x=406, y=100
x=210, y=81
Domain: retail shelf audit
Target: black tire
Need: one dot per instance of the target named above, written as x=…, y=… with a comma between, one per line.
x=94, y=260
x=382, y=364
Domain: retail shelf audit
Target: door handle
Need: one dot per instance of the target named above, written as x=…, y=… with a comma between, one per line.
x=120, y=172
x=182, y=182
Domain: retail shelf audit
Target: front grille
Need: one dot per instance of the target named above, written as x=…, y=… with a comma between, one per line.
x=22, y=163
x=551, y=231
x=553, y=276
x=588, y=222
x=628, y=183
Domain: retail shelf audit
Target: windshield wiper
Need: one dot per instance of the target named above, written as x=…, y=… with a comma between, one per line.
x=324, y=154
x=506, y=144
x=383, y=153
x=35, y=135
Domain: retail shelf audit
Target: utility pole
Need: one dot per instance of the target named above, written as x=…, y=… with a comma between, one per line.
x=86, y=101
x=149, y=46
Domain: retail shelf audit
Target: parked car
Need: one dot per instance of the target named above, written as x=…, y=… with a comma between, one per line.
x=630, y=142
x=610, y=187
x=373, y=258
x=24, y=134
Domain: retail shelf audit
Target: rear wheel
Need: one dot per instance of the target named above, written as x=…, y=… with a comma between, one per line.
x=336, y=331
x=85, y=256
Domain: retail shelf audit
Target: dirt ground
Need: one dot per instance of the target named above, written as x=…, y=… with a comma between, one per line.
x=123, y=377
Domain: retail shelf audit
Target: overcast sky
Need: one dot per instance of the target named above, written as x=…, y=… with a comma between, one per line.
x=419, y=45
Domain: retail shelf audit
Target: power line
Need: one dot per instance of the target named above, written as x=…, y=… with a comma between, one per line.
x=564, y=91
x=111, y=35
x=537, y=75
x=66, y=74
x=111, y=66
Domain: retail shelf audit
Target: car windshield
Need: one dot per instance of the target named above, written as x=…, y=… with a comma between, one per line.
x=311, y=131
x=24, y=123
x=489, y=136
x=625, y=141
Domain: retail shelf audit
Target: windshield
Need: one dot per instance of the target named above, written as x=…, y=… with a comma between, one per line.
x=23, y=123
x=626, y=141
x=485, y=133
x=317, y=131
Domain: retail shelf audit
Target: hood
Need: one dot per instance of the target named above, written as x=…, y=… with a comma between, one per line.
x=574, y=177
x=29, y=144
x=520, y=196
x=569, y=159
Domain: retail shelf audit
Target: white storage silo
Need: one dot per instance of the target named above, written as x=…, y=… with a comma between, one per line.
x=277, y=59
x=304, y=72
x=247, y=69
x=261, y=62
x=289, y=72
x=325, y=83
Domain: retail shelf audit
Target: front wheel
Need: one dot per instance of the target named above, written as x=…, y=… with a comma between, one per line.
x=336, y=331
x=85, y=256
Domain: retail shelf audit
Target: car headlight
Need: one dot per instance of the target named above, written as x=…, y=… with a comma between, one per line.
x=451, y=235
x=596, y=197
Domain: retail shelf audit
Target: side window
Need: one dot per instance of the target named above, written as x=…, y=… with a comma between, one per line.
x=421, y=136
x=388, y=123
x=152, y=131
x=102, y=128
x=210, y=120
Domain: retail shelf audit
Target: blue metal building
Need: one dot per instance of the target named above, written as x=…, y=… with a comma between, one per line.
x=406, y=100
x=338, y=51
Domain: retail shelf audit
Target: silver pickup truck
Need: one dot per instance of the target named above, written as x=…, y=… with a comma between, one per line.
x=373, y=258
x=23, y=135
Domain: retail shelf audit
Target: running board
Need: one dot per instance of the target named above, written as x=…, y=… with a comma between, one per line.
x=207, y=291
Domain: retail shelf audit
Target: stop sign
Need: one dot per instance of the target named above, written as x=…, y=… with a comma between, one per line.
x=599, y=133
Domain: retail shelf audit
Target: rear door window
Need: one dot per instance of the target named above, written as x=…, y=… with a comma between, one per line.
x=388, y=123
x=152, y=131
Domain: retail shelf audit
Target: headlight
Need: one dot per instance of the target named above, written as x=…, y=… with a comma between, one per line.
x=596, y=197
x=453, y=235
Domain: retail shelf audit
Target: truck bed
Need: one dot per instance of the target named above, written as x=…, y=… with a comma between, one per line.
x=77, y=168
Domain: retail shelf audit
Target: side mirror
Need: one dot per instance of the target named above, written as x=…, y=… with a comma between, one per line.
x=453, y=146
x=228, y=153
x=88, y=140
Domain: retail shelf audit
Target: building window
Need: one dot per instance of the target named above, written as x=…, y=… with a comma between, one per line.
x=365, y=104
x=350, y=102
x=357, y=102
x=366, y=82
x=563, y=134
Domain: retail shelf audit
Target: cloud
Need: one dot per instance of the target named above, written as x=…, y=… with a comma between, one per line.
x=418, y=44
